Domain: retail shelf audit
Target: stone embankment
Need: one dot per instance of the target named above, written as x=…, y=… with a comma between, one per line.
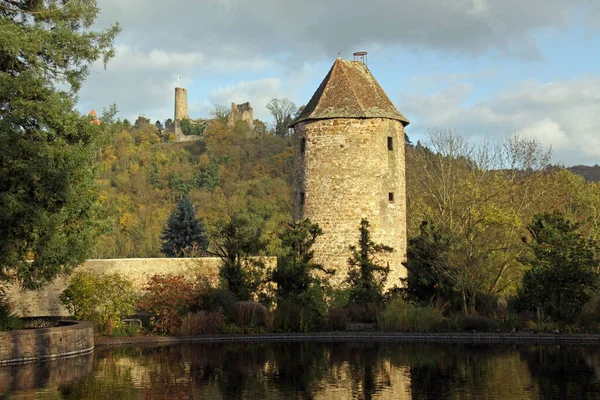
x=70, y=338
x=472, y=338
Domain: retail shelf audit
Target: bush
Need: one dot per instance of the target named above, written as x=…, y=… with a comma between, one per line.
x=126, y=330
x=478, y=323
x=218, y=299
x=589, y=318
x=201, y=323
x=8, y=320
x=250, y=314
x=364, y=313
x=168, y=297
x=400, y=316
x=104, y=299
x=338, y=318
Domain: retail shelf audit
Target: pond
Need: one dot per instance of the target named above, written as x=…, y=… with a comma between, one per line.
x=374, y=370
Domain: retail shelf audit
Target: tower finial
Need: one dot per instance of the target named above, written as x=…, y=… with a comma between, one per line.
x=339, y=55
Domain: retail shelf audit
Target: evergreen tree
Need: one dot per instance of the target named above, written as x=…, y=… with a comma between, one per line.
x=365, y=276
x=563, y=268
x=295, y=270
x=47, y=148
x=300, y=293
x=184, y=235
x=428, y=267
x=236, y=241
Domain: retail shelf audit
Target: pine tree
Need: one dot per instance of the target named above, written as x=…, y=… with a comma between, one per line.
x=365, y=276
x=184, y=235
x=47, y=148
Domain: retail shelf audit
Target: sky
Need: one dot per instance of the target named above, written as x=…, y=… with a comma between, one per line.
x=480, y=68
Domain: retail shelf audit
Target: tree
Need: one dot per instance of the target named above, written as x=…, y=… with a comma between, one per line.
x=236, y=241
x=184, y=235
x=220, y=113
x=429, y=273
x=483, y=194
x=282, y=111
x=295, y=270
x=365, y=276
x=300, y=294
x=47, y=148
x=562, y=268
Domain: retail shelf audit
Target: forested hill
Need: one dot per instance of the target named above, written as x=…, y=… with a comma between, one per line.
x=230, y=171
x=591, y=174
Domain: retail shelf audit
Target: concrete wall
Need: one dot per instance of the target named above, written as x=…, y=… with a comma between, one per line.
x=344, y=174
x=46, y=301
x=47, y=343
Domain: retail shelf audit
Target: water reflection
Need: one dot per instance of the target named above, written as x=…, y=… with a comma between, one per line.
x=315, y=371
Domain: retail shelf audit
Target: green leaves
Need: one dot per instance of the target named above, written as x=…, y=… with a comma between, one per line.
x=46, y=147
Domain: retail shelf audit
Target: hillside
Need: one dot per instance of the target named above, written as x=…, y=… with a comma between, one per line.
x=590, y=174
x=230, y=170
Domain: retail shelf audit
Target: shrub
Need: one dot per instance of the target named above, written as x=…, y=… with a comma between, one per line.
x=218, y=299
x=478, y=323
x=126, y=330
x=168, y=297
x=202, y=322
x=104, y=299
x=338, y=318
x=400, y=316
x=364, y=313
x=250, y=314
x=589, y=318
x=8, y=320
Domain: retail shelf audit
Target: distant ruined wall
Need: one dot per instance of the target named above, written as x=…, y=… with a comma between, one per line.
x=344, y=172
x=241, y=112
x=46, y=301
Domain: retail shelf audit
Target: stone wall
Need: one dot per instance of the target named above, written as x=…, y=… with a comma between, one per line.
x=47, y=343
x=241, y=112
x=181, y=106
x=46, y=301
x=344, y=172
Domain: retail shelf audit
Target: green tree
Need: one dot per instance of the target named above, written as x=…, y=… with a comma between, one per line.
x=562, y=268
x=365, y=276
x=300, y=297
x=184, y=235
x=47, y=148
x=295, y=270
x=235, y=242
x=428, y=279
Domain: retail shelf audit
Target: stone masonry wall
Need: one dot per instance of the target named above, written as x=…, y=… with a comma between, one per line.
x=37, y=344
x=346, y=173
x=46, y=301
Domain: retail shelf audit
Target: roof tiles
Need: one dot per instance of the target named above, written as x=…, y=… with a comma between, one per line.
x=350, y=91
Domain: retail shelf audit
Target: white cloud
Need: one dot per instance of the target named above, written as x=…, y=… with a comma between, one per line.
x=562, y=114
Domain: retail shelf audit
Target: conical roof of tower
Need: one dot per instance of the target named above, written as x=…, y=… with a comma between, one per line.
x=350, y=91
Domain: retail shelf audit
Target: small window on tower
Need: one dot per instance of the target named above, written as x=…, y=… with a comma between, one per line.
x=390, y=143
x=302, y=145
x=302, y=198
x=391, y=197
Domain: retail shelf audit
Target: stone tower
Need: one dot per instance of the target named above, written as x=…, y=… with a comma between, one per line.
x=349, y=165
x=181, y=105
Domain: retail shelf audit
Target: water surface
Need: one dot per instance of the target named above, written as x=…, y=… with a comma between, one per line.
x=314, y=371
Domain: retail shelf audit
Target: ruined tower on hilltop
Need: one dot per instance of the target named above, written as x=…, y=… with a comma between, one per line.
x=181, y=105
x=349, y=165
x=241, y=112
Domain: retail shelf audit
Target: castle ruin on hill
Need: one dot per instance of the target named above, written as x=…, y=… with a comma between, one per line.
x=348, y=165
x=239, y=112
